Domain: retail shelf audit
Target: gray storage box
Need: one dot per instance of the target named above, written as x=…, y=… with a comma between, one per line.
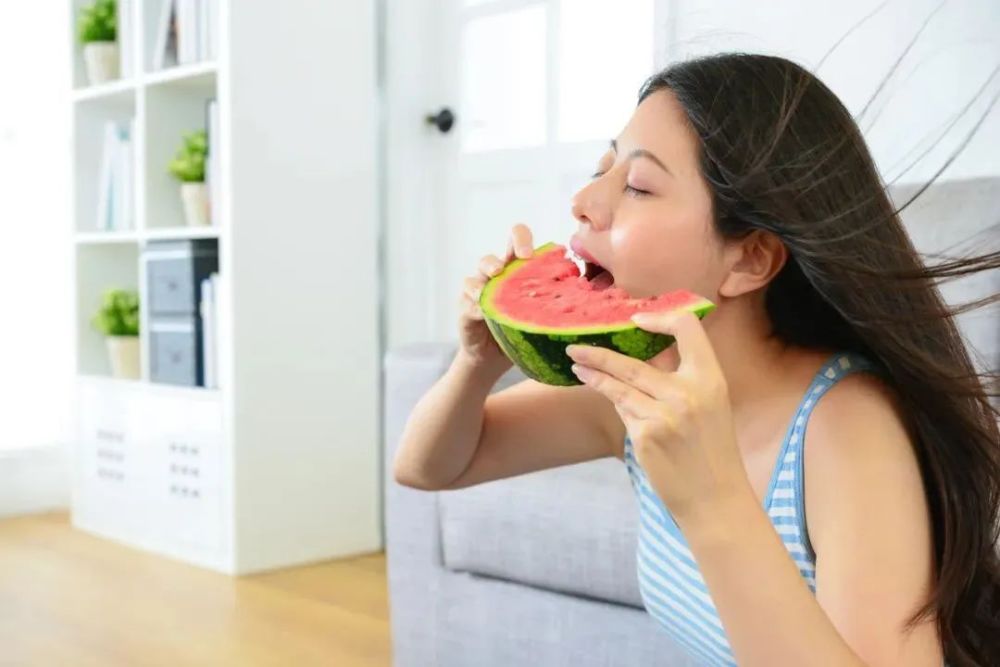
x=174, y=271
x=175, y=351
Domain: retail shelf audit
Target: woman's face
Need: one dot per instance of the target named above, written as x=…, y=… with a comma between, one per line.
x=647, y=215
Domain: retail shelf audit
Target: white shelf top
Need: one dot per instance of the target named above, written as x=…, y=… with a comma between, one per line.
x=86, y=238
x=181, y=74
x=133, y=236
x=145, y=385
x=210, y=232
x=197, y=74
x=121, y=87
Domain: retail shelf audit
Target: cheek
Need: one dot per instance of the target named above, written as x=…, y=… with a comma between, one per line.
x=666, y=254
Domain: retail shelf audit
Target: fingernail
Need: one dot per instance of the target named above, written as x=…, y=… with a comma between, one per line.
x=581, y=372
x=574, y=351
x=641, y=318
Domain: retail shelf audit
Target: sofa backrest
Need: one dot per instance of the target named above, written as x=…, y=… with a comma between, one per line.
x=946, y=218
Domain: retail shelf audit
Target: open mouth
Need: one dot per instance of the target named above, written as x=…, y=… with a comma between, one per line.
x=598, y=277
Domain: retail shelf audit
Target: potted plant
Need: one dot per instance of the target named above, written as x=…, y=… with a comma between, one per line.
x=118, y=320
x=98, y=29
x=188, y=166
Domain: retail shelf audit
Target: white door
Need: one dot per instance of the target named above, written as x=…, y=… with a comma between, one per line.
x=537, y=88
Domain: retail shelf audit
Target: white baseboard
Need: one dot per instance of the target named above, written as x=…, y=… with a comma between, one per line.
x=34, y=479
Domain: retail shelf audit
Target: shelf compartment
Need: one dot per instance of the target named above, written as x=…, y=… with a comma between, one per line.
x=89, y=120
x=100, y=267
x=195, y=77
x=173, y=109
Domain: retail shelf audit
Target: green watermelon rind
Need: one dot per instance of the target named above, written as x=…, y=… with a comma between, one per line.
x=540, y=352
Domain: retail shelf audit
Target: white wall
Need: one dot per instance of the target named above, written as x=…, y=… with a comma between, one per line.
x=952, y=59
x=35, y=295
x=36, y=343
x=305, y=360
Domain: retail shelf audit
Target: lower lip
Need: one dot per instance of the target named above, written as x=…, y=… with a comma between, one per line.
x=577, y=247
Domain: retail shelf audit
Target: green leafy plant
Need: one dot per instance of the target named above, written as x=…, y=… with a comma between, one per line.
x=119, y=313
x=98, y=22
x=188, y=164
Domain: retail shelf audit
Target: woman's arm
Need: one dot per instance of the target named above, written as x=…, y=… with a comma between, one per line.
x=864, y=500
x=458, y=435
x=869, y=527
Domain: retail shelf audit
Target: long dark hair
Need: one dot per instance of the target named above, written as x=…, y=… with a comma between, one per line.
x=781, y=153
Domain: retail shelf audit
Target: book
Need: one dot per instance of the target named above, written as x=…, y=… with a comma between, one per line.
x=116, y=179
x=204, y=7
x=102, y=218
x=125, y=37
x=187, y=31
x=126, y=176
x=118, y=171
x=165, y=54
x=212, y=29
x=209, y=329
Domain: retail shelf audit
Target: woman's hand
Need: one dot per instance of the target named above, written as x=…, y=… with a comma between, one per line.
x=680, y=421
x=477, y=343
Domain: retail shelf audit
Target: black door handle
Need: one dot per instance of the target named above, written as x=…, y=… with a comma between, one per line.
x=443, y=120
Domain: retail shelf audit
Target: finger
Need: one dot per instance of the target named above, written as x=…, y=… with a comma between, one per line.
x=473, y=287
x=632, y=372
x=627, y=400
x=520, y=237
x=491, y=265
x=693, y=345
x=470, y=308
x=668, y=360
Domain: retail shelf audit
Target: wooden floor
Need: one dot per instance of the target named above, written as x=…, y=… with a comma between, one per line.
x=67, y=598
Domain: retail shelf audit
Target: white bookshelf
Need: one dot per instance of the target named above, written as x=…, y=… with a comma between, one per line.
x=279, y=464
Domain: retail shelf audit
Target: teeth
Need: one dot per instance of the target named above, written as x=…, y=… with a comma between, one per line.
x=580, y=264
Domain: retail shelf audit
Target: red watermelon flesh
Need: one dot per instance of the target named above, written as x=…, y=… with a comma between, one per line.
x=549, y=291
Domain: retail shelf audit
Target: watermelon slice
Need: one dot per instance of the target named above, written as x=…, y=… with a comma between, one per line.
x=536, y=307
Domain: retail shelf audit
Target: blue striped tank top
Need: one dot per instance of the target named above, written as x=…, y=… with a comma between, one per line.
x=673, y=590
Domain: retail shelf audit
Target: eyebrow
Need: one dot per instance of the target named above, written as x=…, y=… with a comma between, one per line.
x=642, y=152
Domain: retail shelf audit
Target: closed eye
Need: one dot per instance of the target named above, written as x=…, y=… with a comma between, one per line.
x=634, y=192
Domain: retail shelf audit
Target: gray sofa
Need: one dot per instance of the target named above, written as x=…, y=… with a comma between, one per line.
x=540, y=569
x=534, y=570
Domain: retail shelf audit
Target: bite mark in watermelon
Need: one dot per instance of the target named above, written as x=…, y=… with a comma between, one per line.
x=536, y=307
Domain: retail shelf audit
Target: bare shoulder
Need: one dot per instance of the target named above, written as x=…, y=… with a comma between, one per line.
x=859, y=419
x=860, y=460
x=869, y=523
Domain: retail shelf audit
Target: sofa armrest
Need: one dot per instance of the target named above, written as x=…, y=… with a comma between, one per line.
x=410, y=515
x=413, y=527
x=412, y=533
x=410, y=372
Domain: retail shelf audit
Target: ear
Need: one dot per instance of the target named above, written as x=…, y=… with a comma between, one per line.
x=754, y=261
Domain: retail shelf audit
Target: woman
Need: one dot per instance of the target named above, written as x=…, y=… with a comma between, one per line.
x=817, y=464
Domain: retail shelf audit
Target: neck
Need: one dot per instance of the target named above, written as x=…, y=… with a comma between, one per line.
x=748, y=353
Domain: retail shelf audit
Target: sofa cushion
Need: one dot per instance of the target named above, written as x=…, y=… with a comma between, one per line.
x=570, y=529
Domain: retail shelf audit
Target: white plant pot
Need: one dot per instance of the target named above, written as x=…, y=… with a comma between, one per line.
x=195, y=198
x=123, y=352
x=101, y=59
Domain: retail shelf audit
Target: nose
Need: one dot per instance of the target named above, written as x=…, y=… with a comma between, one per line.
x=591, y=207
